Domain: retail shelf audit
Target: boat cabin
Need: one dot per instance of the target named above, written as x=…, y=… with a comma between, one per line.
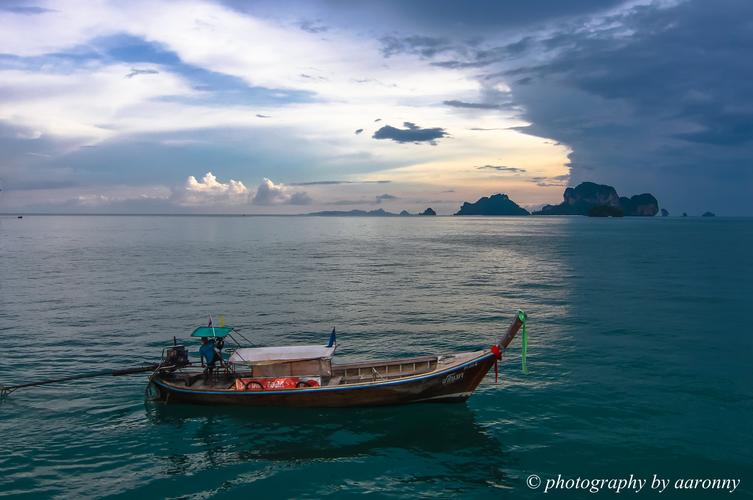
x=285, y=361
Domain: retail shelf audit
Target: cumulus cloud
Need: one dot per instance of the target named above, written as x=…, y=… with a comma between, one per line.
x=212, y=191
x=209, y=190
x=269, y=193
x=411, y=133
x=210, y=184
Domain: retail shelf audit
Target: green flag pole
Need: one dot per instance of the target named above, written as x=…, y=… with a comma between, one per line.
x=524, y=352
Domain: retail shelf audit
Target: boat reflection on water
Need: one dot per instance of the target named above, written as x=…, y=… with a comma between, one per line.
x=239, y=435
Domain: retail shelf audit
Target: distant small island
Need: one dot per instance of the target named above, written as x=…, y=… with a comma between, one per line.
x=354, y=213
x=498, y=204
x=369, y=213
x=708, y=214
x=601, y=200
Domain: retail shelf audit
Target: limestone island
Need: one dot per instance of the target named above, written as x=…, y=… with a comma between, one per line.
x=498, y=204
x=601, y=200
x=368, y=213
x=605, y=211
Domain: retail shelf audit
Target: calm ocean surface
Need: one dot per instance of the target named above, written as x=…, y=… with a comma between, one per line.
x=639, y=357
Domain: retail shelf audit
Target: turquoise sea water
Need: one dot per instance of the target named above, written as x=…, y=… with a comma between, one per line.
x=639, y=356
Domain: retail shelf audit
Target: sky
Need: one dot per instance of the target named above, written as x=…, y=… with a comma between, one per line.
x=298, y=106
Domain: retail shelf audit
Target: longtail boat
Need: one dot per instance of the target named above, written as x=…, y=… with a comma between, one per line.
x=305, y=376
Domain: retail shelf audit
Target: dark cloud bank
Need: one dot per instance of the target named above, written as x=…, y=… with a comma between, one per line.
x=654, y=97
x=667, y=107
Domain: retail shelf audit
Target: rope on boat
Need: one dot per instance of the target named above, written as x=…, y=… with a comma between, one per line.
x=239, y=344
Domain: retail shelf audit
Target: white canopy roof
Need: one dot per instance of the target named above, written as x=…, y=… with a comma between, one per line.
x=282, y=353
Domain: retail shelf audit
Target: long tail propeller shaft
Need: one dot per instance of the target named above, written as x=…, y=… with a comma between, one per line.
x=5, y=390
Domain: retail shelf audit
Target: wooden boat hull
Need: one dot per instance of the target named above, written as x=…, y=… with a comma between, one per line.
x=452, y=384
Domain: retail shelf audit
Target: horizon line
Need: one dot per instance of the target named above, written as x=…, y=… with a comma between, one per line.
x=314, y=214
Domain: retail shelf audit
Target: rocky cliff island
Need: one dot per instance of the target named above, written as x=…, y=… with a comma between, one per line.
x=498, y=204
x=601, y=200
x=645, y=205
x=605, y=211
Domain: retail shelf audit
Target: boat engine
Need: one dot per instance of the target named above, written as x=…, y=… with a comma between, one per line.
x=176, y=356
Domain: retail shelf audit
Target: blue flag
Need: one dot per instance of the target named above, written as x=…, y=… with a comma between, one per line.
x=332, y=338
